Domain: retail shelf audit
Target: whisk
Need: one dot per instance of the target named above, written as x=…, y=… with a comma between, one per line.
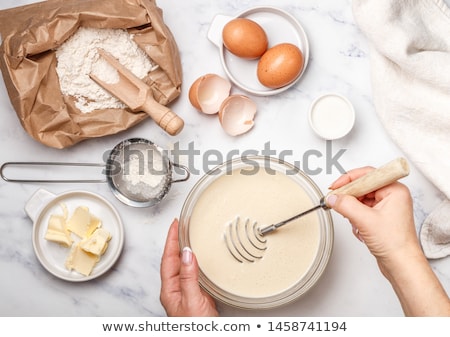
x=245, y=243
x=249, y=245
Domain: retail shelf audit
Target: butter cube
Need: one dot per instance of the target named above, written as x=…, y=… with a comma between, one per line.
x=93, y=242
x=97, y=242
x=81, y=261
x=57, y=231
x=82, y=223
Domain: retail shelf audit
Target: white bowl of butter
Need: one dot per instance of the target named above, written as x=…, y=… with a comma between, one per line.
x=77, y=235
x=266, y=190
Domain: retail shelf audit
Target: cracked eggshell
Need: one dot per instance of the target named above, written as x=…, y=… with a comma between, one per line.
x=208, y=92
x=236, y=114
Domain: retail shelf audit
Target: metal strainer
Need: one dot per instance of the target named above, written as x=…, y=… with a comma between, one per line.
x=138, y=172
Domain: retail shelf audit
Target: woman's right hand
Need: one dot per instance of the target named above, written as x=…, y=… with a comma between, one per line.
x=384, y=221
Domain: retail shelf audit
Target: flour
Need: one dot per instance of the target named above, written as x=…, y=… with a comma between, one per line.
x=147, y=168
x=144, y=174
x=78, y=57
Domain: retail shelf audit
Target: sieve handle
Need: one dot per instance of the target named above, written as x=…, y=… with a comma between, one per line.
x=376, y=179
x=16, y=164
x=187, y=173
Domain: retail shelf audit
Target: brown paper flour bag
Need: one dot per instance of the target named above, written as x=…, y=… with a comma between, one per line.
x=30, y=34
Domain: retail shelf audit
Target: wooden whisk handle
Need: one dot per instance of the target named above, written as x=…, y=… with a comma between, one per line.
x=376, y=179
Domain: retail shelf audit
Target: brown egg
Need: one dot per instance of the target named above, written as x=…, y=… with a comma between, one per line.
x=244, y=38
x=280, y=65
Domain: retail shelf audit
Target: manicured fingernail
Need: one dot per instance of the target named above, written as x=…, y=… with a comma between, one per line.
x=186, y=257
x=331, y=199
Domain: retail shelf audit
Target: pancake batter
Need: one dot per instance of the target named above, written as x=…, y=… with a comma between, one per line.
x=267, y=198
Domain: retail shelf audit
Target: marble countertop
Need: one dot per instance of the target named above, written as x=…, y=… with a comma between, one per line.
x=339, y=62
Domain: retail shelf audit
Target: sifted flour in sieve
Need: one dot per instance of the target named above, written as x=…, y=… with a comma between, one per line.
x=148, y=169
x=78, y=57
x=144, y=174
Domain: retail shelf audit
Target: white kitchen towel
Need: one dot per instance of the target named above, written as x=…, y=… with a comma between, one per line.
x=435, y=232
x=410, y=71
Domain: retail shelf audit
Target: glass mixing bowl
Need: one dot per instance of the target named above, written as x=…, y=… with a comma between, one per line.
x=319, y=259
